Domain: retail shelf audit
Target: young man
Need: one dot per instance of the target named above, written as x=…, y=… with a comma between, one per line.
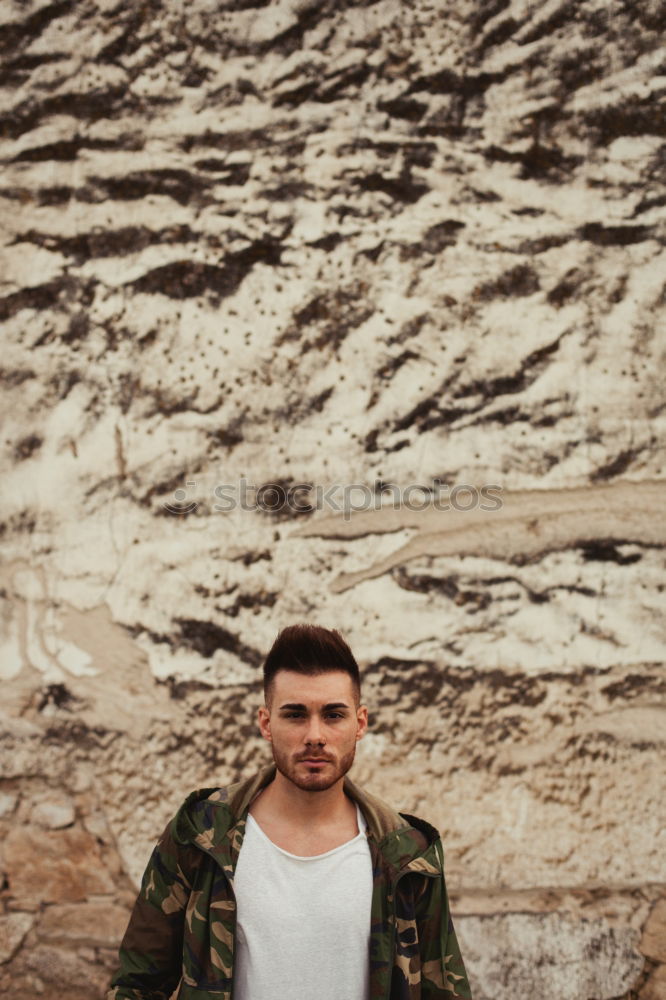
x=295, y=884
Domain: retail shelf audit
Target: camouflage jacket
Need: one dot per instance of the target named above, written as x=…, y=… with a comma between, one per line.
x=182, y=927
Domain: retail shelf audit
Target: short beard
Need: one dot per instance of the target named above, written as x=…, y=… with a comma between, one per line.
x=313, y=782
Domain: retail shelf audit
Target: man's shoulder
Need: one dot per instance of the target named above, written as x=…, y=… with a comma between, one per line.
x=215, y=808
x=403, y=835
x=203, y=809
x=381, y=817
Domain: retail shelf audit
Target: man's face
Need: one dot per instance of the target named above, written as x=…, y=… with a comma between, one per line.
x=313, y=725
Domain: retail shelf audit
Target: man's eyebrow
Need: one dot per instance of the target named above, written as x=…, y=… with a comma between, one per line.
x=292, y=707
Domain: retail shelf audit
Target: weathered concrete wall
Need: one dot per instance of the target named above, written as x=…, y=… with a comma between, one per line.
x=338, y=243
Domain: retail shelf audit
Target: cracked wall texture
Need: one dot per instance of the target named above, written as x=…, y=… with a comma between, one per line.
x=303, y=245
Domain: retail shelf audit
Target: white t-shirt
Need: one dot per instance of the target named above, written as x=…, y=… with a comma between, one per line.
x=303, y=924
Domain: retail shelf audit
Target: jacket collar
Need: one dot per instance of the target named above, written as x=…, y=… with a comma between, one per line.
x=214, y=820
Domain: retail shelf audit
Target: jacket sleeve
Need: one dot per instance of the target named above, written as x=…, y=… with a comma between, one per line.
x=150, y=955
x=443, y=975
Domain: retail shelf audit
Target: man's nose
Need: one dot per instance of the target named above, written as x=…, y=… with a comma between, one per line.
x=314, y=732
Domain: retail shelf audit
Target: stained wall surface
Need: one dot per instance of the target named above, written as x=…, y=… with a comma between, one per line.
x=402, y=266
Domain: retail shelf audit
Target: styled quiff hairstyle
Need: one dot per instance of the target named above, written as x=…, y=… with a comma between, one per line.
x=310, y=650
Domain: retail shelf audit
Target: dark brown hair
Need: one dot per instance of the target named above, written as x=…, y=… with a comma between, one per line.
x=310, y=649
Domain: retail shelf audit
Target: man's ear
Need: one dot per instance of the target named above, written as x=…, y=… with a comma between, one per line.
x=361, y=721
x=264, y=719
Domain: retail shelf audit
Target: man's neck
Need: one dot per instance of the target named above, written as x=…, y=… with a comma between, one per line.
x=284, y=802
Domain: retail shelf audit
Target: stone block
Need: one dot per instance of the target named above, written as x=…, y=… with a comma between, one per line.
x=7, y=803
x=655, y=987
x=64, y=970
x=13, y=928
x=54, y=866
x=549, y=956
x=53, y=811
x=653, y=941
x=94, y=924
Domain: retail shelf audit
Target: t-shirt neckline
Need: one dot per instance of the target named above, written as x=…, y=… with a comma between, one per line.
x=360, y=819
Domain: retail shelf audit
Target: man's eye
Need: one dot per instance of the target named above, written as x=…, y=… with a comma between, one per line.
x=335, y=715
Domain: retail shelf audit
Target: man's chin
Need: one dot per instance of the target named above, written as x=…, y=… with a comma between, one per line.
x=313, y=781
x=316, y=778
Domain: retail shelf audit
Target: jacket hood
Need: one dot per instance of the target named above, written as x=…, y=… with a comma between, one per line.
x=214, y=820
